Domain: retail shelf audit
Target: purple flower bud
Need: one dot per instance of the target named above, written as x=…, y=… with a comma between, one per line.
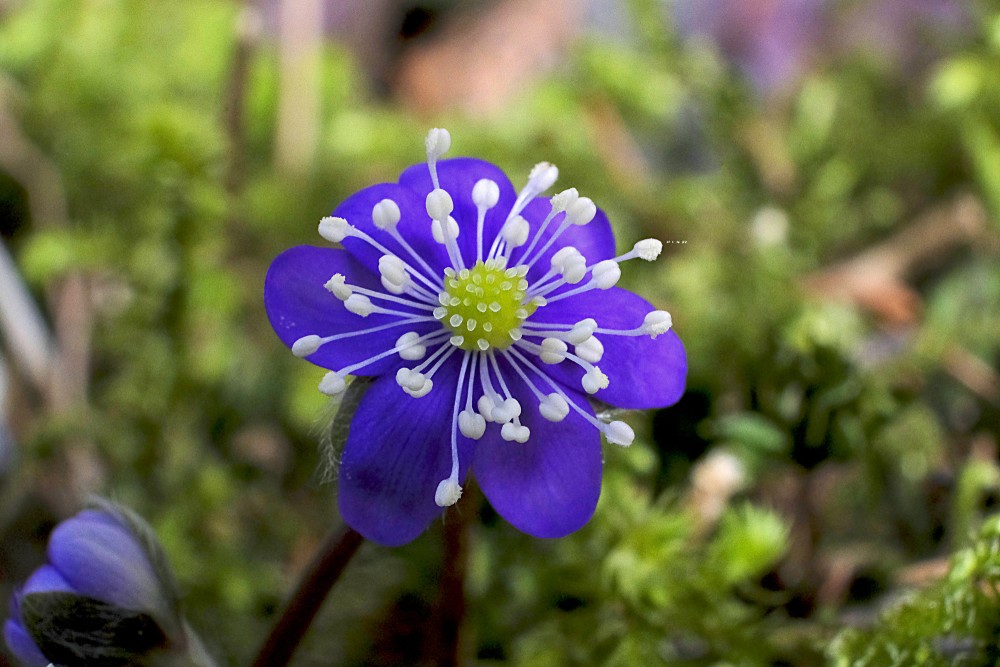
x=105, y=596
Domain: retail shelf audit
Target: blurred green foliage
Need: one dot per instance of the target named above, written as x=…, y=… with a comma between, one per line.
x=851, y=435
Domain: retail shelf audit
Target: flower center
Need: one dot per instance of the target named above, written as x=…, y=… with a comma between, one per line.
x=484, y=306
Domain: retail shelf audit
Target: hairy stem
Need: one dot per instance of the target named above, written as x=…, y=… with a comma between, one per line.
x=315, y=584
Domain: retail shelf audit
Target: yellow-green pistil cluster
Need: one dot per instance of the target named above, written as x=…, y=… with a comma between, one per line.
x=484, y=306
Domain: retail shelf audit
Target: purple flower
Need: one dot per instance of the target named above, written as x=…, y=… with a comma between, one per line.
x=489, y=320
x=105, y=596
x=769, y=40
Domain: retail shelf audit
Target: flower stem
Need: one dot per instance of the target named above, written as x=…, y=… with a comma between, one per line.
x=315, y=584
x=452, y=602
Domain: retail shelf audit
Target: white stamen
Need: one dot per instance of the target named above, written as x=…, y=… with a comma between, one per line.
x=590, y=350
x=606, y=274
x=657, y=322
x=428, y=279
x=410, y=347
x=594, y=380
x=619, y=433
x=337, y=286
x=471, y=424
x=574, y=269
x=543, y=175
x=553, y=351
x=332, y=384
x=437, y=230
x=485, y=405
x=438, y=142
x=559, y=257
x=306, y=345
x=515, y=432
x=515, y=232
x=359, y=304
x=392, y=270
x=448, y=492
x=485, y=193
x=648, y=249
x=506, y=411
x=581, y=211
x=385, y=214
x=392, y=287
x=581, y=331
x=439, y=204
x=407, y=378
x=563, y=200
x=554, y=408
x=335, y=230
x=414, y=383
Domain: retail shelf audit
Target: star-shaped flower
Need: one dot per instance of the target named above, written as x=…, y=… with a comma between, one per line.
x=490, y=321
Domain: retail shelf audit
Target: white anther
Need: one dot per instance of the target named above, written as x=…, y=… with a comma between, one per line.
x=332, y=384
x=403, y=377
x=385, y=214
x=506, y=411
x=582, y=211
x=438, y=231
x=648, y=249
x=657, y=322
x=553, y=351
x=414, y=383
x=457, y=340
x=337, y=286
x=619, y=433
x=334, y=230
x=485, y=405
x=359, y=304
x=561, y=256
x=574, y=269
x=515, y=232
x=590, y=350
x=411, y=350
x=438, y=142
x=564, y=199
x=485, y=193
x=606, y=274
x=471, y=424
x=594, y=380
x=542, y=176
x=306, y=345
x=439, y=204
x=392, y=287
x=581, y=331
x=425, y=388
x=393, y=270
x=448, y=492
x=554, y=407
x=511, y=431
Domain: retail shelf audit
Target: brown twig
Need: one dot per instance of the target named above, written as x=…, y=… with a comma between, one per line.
x=313, y=588
x=248, y=30
x=875, y=278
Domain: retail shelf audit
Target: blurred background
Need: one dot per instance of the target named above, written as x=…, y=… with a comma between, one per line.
x=827, y=170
